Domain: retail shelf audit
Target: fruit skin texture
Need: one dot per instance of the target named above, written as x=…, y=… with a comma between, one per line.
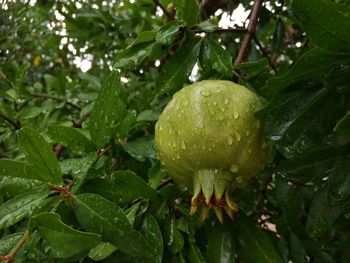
x=208, y=139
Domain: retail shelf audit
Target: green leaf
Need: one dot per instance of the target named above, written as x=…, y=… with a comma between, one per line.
x=40, y=155
x=326, y=23
x=153, y=236
x=175, y=72
x=141, y=149
x=253, y=68
x=322, y=215
x=310, y=165
x=343, y=125
x=290, y=113
x=168, y=33
x=297, y=252
x=21, y=206
x=108, y=112
x=131, y=186
x=14, y=169
x=194, y=254
x=220, y=245
x=63, y=240
x=172, y=236
x=188, y=11
x=8, y=242
x=310, y=67
x=156, y=175
x=134, y=54
x=71, y=138
x=101, y=251
x=279, y=101
x=147, y=115
x=99, y=215
x=12, y=186
x=256, y=246
x=214, y=57
x=339, y=181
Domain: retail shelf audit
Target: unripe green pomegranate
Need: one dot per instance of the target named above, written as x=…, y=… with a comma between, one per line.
x=209, y=141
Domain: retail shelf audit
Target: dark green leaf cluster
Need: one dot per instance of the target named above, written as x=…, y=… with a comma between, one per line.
x=82, y=84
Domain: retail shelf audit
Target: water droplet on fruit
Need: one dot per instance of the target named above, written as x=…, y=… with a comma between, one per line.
x=247, y=132
x=234, y=168
x=239, y=179
x=183, y=145
x=225, y=101
x=206, y=93
x=229, y=140
x=215, y=103
x=238, y=136
x=257, y=124
x=235, y=115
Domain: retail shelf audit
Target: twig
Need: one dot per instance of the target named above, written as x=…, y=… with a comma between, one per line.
x=10, y=257
x=253, y=21
x=264, y=52
x=165, y=11
x=222, y=30
x=104, y=151
x=15, y=124
x=46, y=96
x=262, y=195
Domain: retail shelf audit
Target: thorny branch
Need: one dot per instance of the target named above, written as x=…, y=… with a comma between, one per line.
x=248, y=36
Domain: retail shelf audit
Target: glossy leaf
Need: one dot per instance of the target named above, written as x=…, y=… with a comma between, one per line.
x=220, y=245
x=256, y=246
x=175, y=72
x=63, y=240
x=297, y=252
x=101, y=251
x=309, y=166
x=295, y=109
x=71, y=138
x=153, y=236
x=194, y=254
x=327, y=23
x=40, y=155
x=131, y=186
x=109, y=110
x=173, y=237
x=99, y=215
x=11, y=168
x=134, y=54
x=309, y=68
x=21, y=206
x=8, y=242
x=141, y=149
x=12, y=186
x=214, y=58
x=343, y=125
x=167, y=33
x=188, y=11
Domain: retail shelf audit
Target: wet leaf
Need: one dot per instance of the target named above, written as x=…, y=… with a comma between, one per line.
x=99, y=215
x=256, y=246
x=343, y=125
x=188, y=11
x=63, y=240
x=71, y=138
x=101, y=251
x=40, y=155
x=109, y=110
x=141, y=149
x=220, y=244
x=167, y=33
x=130, y=186
x=175, y=72
x=21, y=206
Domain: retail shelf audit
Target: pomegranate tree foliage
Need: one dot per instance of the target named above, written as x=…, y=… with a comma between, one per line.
x=79, y=176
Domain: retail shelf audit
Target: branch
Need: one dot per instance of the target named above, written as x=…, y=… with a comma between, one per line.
x=264, y=52
x=253, y=21
x=10, y=257
x=15, y=124
x=222, y=30
x=165, y=11
x=46, y=96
